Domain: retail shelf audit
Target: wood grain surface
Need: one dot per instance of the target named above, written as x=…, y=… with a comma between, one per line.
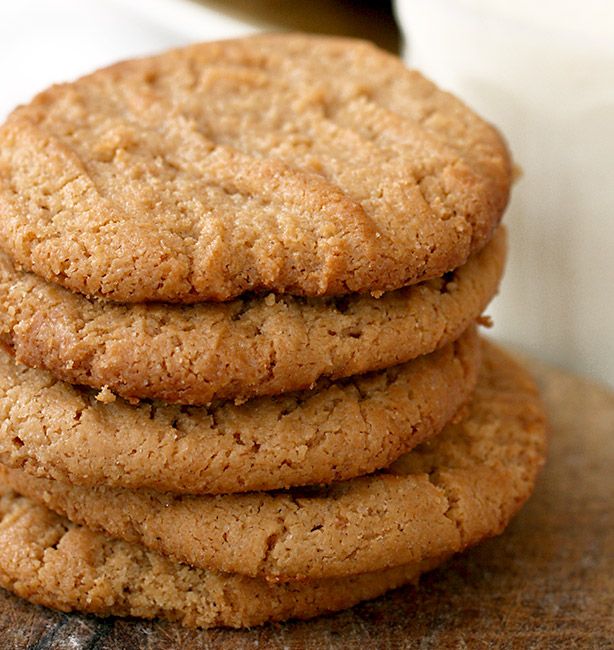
x=548, y=582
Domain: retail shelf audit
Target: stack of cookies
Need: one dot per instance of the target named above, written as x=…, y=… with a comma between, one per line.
x=241, y=379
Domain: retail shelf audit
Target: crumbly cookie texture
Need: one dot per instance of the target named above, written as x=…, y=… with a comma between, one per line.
x=285, y=163
x=449, y=493
x=238, y=350
x=335, y=431
x=52, y=562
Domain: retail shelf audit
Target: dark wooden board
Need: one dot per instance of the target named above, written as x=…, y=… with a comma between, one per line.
x=548, y=582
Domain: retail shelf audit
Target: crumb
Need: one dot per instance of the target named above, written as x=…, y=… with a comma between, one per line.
x=106, y=396
x=485, y=321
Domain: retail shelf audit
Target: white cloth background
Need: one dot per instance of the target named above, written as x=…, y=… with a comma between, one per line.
x=48, y=41
x=544, y=73
x=558, y=297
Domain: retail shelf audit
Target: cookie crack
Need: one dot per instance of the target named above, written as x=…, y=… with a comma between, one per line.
x=452, y=508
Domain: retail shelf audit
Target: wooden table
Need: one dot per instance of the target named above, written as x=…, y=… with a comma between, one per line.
x=548, y=582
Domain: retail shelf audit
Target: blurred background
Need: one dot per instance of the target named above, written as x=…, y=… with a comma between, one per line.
x=542, y=71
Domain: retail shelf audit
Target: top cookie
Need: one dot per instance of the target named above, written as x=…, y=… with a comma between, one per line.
x=287, y=163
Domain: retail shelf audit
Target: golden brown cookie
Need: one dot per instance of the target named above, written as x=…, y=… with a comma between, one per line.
x=285, y=163
x=249, y=347
x=52, y=562
x=335, y=431
x=449, y=493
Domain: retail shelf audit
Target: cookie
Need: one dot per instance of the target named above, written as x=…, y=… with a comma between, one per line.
x=249, y=347
x=52, y=562
x=285, y=163
x=452, y=491
x=335, y=431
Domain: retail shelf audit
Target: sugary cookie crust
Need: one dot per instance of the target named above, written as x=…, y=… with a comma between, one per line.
x=246, y=348
x=286, y=163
